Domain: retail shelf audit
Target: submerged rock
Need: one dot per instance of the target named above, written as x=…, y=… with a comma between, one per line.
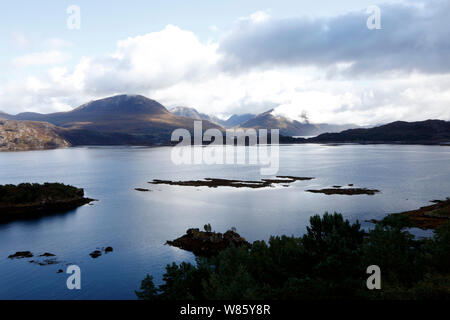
x=47, y=254
x=95, y=254
x=203, y=243
x=45, y=262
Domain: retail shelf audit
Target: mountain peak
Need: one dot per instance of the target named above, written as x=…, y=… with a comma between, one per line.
x=188, y=113
x=123, y=104
x=268, y=112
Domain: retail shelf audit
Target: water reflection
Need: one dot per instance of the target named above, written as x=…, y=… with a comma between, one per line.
x=137, y=224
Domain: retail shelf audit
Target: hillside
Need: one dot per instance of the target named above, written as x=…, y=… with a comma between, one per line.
x=421, y=132
x=117, y=120
x=28, y=135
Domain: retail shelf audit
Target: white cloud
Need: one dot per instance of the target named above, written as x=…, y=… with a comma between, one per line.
x=174, y=67
x=412, y=38
x=214, y=28
x=58, y=43
x=41, y=58
x=259, y=16
x=155, y=60
x=20, y=40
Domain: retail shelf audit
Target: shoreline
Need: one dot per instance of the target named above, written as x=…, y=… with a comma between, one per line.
x=328, y=143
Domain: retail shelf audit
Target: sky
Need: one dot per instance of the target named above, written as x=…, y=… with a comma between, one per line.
x=226, y=57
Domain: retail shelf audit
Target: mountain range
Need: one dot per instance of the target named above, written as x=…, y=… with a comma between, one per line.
x=266, y=120
x=137, y=120
x=288, y=127
x=231, y=122
x=122, y=119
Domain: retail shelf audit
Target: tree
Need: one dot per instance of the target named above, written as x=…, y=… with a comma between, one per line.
x=148, y=289
x=328, y=262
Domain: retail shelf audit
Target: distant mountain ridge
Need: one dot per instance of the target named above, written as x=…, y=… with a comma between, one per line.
x=137, y=120
x=4, y=115
x=194, y=114
x=265, y=120
x=237, y=119
x=289, y=127
x=420, y=132
x=232, y=121
x=189, y=113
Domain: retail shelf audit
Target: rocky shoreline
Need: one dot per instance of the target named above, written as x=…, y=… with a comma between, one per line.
x=428, y=217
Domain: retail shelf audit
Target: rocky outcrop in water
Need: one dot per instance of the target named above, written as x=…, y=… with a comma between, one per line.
x=216, y=182
x=97, y=253
x=203, y=243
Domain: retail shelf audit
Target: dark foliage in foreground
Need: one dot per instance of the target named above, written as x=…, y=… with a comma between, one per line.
x=328, y=262
x=29, y=193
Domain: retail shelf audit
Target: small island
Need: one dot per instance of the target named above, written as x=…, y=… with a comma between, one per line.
x=208, y=243
x=216, y=182
x=29, y=200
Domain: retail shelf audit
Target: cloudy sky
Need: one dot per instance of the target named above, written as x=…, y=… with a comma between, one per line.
x=225, y=57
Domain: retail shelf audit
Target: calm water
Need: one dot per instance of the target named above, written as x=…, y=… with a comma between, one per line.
x=137, y=224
